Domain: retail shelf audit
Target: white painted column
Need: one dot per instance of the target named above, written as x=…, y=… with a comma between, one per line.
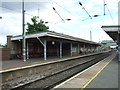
x=78, y=48
x=45, y=43
x=27, y=50
x=84, y=48
x=119, y=53
x=71, y=49
x=119, y=45
x=60, y=49
x=88, y=48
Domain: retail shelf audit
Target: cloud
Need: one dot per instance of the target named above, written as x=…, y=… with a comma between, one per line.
x=16, y=7
x=3, y=39
x=11, y=23
x=42, y=1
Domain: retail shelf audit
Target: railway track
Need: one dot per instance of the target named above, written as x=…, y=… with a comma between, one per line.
x=56, y=78
x=47, y=76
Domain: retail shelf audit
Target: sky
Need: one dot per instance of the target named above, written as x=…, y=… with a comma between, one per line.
x=79, y=26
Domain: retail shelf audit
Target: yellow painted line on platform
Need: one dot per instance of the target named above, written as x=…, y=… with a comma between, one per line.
x=94, y=76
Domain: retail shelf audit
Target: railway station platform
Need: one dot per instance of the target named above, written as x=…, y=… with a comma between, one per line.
x=103, y=75
x=108, y=78
x=18, y=63
x=42, y=73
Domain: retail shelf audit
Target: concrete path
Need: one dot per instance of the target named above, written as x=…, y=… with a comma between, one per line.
x=83, y=79
x=10, y=64
x=108, y=78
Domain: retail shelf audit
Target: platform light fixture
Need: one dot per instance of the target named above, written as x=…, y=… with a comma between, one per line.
x=53, y=42
x=60, y=21
x=96, y=15
x=68, y=19
x=92, y=17
x=46, y=22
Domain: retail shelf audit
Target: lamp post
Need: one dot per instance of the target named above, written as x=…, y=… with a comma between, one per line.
x=23, y=25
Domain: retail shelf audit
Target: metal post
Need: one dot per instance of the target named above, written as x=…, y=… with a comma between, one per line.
x=24, y=43
x=27, y=50
x=90, y=35
x=45, y=49
x=85, y=48
x=104, y=7
x=118, y=44
x=60, y=49
x=71, y=49
x=88, y=48
x=78, y=48
x=118, y=31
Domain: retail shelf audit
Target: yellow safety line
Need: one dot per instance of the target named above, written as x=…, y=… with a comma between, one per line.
x=94, y=76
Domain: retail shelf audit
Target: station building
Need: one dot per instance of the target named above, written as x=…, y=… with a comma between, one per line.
x=50, y=44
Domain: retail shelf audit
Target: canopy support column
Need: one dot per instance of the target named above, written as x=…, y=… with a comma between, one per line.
x=71, y=49
x=45, y=56
x=60, y=49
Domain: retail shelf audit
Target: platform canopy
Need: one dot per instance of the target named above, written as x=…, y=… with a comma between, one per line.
x=112, y=31
x=54, y=35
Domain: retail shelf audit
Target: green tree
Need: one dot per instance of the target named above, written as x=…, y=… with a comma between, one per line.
x=3, y=46
x=36, y=26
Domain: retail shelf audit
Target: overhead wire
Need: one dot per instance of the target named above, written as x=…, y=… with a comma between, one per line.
x=85, y=10
x=29, y=14
x=56, y=11
x=15, y=11
x=105, y=6
x=9, y=9
x=61, y=6
x=110, y=14
x=77, y=4
x=53, y=2
x=58, y=14
x=26, y=12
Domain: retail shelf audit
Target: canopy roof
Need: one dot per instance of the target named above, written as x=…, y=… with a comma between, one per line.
x=112, y=31
x=53, y=34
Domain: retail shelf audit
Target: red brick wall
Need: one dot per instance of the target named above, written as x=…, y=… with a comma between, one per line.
x=4, y=54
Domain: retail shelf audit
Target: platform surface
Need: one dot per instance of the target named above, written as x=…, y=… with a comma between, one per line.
x=18, y=63
x=101, y=75
x=108, y=78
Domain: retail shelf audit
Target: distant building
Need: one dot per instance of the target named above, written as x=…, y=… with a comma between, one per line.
x=109, y=44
